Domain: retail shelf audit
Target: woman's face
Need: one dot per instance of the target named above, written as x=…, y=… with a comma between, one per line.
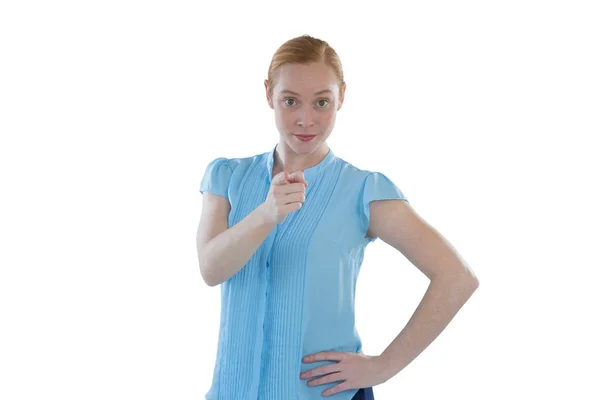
x=306, y=98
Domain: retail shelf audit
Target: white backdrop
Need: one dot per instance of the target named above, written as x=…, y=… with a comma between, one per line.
x=483, y=113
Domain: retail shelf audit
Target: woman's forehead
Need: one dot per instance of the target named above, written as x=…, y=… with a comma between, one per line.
x=306, y=79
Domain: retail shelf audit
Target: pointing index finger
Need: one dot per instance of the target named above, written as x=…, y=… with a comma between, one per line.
x=281, y=178
x=298, y=176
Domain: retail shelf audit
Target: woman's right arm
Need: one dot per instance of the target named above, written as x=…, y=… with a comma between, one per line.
x=222, y=252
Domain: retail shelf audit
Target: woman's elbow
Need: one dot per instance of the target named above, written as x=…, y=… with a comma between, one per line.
x=206, y=274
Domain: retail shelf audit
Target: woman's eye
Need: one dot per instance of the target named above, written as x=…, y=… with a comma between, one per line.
x=289, y=102
x=322, y=103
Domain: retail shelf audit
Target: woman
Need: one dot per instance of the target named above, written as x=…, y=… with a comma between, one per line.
x=284, y=234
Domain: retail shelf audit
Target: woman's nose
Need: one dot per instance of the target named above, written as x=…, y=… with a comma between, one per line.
x=306, y=118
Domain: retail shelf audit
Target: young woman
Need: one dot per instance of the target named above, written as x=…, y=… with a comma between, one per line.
x=284, y=232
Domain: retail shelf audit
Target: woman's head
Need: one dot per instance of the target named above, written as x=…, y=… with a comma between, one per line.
x=305, y=87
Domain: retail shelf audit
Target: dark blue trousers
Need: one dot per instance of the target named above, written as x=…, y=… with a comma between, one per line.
x=364, y=394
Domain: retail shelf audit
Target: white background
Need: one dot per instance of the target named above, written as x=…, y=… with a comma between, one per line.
x=485, y=114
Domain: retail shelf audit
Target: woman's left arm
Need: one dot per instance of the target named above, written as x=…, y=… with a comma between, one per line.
x=452, y=281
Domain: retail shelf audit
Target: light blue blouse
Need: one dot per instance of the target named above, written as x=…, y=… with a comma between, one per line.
x=295, y=296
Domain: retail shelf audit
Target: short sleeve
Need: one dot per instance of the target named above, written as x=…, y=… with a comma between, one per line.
x=377, y=186
x=216, y=177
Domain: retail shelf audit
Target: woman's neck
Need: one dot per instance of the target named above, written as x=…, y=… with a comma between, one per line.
x=288, y=160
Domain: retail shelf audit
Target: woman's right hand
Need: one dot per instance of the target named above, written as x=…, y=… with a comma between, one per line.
x=286, y=194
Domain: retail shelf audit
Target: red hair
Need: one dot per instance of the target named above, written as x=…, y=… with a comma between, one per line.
x=305, y=49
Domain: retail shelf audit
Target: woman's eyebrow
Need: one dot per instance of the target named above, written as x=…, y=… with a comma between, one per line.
x=316, y=94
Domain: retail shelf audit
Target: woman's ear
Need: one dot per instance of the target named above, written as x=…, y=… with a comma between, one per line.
x=342, y=94
x=267, y=92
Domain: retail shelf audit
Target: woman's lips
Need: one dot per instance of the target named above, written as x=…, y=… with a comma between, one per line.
x=306, y=138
